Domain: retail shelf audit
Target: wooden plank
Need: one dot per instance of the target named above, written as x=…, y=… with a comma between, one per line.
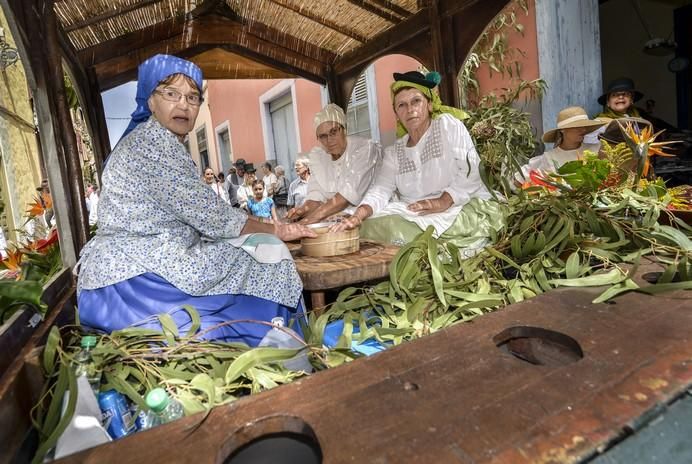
x=20, y=385
x=438, y=399
x=391, y=6
x=369, y=263
x=384, y=13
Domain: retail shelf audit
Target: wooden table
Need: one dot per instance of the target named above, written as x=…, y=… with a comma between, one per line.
x=324, y=273
x=455, y=397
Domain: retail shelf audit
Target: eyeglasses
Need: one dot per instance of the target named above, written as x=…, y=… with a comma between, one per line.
x=172, y=95
x=620, y=94
x=331, y=134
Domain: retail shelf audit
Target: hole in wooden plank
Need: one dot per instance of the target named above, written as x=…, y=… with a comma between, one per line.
x=654, y=277
x=273, y=440
x=539, y=346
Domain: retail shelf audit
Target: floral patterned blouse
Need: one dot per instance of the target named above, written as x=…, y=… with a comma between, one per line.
x=156, y=216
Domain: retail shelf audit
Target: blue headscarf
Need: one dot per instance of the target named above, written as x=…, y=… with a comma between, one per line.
x=153, y=71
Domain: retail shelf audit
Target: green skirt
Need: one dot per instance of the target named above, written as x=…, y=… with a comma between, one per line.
x=477, y=223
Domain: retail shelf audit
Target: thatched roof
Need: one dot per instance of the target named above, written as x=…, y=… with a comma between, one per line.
x=245, y=38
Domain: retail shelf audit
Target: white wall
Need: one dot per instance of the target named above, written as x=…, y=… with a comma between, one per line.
x=568, y=55
x=623, y=37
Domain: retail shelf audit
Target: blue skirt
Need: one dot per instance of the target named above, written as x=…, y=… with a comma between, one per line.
x=137, y=302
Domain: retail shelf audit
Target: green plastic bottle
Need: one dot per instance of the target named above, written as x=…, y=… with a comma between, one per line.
x=162, y=409
x=84, y=363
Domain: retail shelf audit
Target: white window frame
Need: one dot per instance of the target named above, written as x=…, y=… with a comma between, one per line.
x=371, y=90
x=218, y=130
x=279, y=90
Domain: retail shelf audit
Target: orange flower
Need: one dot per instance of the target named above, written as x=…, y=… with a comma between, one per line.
x=536, y=179
x=646, y=144
x=13, y=263
x=36, y=208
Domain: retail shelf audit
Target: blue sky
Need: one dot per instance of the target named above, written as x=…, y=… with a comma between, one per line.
x=118, y=104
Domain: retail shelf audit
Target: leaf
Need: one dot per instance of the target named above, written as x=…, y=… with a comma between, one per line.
x=617, y=289
x=196, y=321
x=170, y=328
x=611, y=277
x=205, y=384
x=71, y=385
x=50, y=350
x=435, y=269
x=255, y=357
x=572, y=266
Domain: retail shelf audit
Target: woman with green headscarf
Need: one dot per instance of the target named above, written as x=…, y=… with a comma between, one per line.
x=428, y=175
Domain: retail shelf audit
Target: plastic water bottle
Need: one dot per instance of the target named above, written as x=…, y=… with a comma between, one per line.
x=280, y=337
x=162, y=409
x=84, y=363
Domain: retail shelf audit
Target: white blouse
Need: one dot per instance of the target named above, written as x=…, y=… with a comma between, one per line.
x=444, y=160
x=350, y=175
x=548, y=161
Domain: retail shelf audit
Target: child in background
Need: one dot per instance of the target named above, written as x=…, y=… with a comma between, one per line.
x=259, y=205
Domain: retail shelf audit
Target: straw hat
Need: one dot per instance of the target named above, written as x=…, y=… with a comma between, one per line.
x=573, y=116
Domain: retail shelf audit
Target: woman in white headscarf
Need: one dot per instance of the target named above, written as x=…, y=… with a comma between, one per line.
x=341, y=168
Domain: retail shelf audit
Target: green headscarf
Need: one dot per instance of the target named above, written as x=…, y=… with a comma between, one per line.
x=437, y=107
x=610, y=113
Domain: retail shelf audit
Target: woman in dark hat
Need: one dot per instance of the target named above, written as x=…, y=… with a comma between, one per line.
x=428, y=175
x=165, y=240
x=619, y=98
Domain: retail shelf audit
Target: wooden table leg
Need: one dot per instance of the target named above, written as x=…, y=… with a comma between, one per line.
x=317, y=302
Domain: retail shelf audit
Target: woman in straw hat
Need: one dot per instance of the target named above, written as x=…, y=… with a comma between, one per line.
x=429, y=177
x=567, y=139
x=166, y=241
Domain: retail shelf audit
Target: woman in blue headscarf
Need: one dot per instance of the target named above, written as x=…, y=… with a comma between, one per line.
x=165, y=240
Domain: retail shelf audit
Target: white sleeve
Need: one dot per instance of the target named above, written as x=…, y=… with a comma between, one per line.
x=467, y=183
x=316, y=191
x=361, y=167
x=384, y=185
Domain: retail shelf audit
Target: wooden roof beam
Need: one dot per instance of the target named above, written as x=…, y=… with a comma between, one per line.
x=381, y=44
x=388, y=15
x=210, y=32
x=393, y=7
x=321, y=21
x=130, y=43
x=110, y=14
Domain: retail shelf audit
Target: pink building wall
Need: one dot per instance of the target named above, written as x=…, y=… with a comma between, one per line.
x=237, y=101
x=526, y=42
x=384, y=68
x=308, y=102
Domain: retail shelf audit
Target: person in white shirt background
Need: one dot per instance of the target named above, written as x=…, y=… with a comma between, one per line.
x=298, y=190
x=210, y=180
x=269, y=179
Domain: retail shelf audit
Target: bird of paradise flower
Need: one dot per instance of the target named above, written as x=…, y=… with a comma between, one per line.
x=12, y=264
x=643, y=145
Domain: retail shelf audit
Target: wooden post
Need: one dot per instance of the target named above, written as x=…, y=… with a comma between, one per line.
x=67, y=135
x=334, y=88
x=27, y=27
x=442, y=38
